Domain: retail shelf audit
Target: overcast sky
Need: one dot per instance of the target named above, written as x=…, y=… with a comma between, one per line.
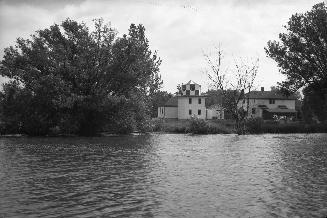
x=179, y=30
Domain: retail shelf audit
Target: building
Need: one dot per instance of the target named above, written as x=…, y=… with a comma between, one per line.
x=190, y=102
x=269, y=104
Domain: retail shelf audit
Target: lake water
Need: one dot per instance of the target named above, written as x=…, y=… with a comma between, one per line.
x=164, y=175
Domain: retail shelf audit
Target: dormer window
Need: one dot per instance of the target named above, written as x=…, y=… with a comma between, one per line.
x=192, y=87
x=196, y=92
x=183, y=87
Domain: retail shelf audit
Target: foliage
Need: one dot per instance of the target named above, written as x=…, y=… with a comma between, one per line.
x=198, y=126
x=254, y=125
x=293, y=128
x=159, y=98
x=233, y=89
x=301, y=55
x=74, y=79
x=315, y=103
x=213, y=97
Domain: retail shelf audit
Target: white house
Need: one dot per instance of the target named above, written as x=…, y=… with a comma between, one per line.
x=190, y=102
x=267, y=104
x=215, y=111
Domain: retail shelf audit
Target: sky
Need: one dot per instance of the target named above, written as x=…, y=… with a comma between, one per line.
x=180, y=31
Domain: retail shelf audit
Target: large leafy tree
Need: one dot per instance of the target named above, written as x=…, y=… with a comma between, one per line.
x=79, y=80
x=301, y=54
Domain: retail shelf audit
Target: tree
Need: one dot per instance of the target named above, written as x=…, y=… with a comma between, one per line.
x=233, y=90
x=159, y=98
x=179, y=90
x=301, y=55
x=77, y=79
x=213, y=97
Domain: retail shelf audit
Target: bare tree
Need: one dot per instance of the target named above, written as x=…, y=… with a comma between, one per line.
x=233, y=84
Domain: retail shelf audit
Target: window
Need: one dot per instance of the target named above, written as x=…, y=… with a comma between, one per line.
x=271, y=101
x=187, y=92
x=192, y=87
x=190, y=112
x=183, y=87
x=196, y=92
x=199, y=112
x=253, y=110
x=199, y=100
x=190, y=100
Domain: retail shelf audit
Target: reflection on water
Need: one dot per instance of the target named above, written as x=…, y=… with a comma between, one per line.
x=164, y=176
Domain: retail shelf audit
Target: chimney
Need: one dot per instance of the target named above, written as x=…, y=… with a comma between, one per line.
x=262, y=89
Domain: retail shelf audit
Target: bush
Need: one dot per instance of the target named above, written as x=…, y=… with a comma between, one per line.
x=254, y=125
x=198, y=126
x=157, y=125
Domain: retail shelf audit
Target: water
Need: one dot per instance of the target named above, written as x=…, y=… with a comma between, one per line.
x=164, y=175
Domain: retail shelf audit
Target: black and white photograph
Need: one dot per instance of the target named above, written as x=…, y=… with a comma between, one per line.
x=163, y=108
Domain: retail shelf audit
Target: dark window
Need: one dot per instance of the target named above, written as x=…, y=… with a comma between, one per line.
x=192, y=87
x=187, y=92
x=271, y=101
x=253, y=110
x=199, y=112
x=196, y=92
x=183, y=87
x=190, y=100
x=199, y=100
x=190, y=112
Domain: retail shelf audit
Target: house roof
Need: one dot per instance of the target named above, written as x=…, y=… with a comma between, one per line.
x=269, y=95
x=215, y=106
x=191, y=82
x=279, y=110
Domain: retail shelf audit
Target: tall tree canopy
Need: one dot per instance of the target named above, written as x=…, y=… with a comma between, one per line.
x=301, y=55
x=301, y=52
x=79, y=80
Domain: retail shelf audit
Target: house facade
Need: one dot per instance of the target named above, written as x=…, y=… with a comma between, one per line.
x=190, y=102
x=269, y=104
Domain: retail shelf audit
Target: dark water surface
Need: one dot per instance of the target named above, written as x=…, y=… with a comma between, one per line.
x=164, y=176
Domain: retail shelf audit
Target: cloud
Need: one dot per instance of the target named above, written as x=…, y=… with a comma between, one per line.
x=179, y=30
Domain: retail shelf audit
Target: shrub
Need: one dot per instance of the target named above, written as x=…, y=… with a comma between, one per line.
x=157, y=125
x=198, y=126
x=254, y=125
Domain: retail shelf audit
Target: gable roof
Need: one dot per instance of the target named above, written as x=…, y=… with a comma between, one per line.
x=191, y=82
x=269, y=95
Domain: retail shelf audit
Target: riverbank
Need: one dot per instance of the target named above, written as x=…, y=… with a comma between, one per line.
x=211, y=127
x=185, y=126
x=228, y=127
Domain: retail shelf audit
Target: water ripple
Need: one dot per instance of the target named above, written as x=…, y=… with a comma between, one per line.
x=164, y=176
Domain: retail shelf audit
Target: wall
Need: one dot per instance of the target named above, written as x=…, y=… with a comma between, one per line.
x=184, y=107
x=167, y=112
x=290, y=104
x=216, y=113
x=197, y=87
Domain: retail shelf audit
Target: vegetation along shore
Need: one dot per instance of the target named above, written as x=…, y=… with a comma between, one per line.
x=71, y=79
